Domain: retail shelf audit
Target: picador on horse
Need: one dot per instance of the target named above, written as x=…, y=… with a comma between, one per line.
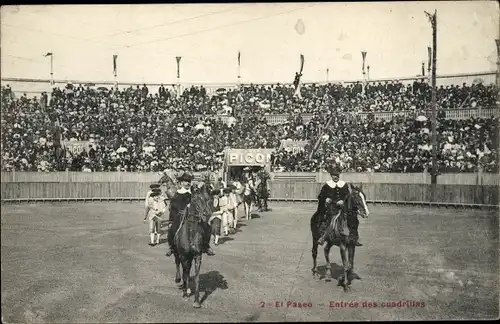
x=178, y=206
x=337, y=191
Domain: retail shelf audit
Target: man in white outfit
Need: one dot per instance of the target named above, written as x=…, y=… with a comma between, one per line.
x=156, y=208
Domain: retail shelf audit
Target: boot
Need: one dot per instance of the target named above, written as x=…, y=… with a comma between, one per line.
x=151, y=239
x=209, y=251
x=216, y=240
x=356, y=242
x=356, y=238
x=157, y=238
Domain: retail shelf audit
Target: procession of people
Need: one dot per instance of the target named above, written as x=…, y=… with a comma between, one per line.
x=223, y=220
x=226, y=200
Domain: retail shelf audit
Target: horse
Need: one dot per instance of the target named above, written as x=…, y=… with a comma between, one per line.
x=262, y=194
x=248, y=198
x=190, y=238
x=190, y=235
x=354, y=205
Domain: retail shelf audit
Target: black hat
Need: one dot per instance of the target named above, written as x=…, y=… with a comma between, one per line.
x=232, y=186
x=216, y=192
x=157, y=190
x=333, y=169
x=155, y=193
x=154, y=186
x=185, y=177
x=227, y=190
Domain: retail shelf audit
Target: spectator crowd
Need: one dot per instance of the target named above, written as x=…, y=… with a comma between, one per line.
x=134, y=130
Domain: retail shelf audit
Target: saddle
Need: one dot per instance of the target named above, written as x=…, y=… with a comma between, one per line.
x=337, y=226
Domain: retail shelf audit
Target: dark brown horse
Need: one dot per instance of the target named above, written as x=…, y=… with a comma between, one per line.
x=191, y=237
x=338, y=218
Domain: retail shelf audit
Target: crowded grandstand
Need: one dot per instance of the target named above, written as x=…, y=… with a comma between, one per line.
x=133, y=129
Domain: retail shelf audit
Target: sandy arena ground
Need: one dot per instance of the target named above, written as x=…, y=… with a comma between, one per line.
x=90, y=262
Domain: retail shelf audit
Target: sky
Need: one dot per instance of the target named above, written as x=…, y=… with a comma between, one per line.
x=147, y=39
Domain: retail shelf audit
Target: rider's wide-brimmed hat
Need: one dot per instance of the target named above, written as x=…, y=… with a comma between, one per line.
x=227, y=190
x=333, y=169
x=215, y=192
x=185, y=177
x=155, y=193
x=154, y=186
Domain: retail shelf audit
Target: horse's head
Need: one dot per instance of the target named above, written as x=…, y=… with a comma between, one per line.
x=357, y=201
x=201, y=199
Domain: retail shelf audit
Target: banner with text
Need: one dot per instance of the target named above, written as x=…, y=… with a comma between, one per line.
x=293, y=146
x=249, y=157
x=77, y=147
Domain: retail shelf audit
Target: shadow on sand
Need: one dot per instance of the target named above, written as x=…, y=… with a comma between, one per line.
x=337, y=271
x=254, y=215
x=209, y=282
x=224, y=239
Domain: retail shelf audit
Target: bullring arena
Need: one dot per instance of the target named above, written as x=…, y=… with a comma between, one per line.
x=89, y=262
x=205, y=106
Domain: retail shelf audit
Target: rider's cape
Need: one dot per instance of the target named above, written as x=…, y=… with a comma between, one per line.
x=179, y=203
x=334, y=190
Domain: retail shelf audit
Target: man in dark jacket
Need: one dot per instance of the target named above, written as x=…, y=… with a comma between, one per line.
x=178, y=204
x=336, y=191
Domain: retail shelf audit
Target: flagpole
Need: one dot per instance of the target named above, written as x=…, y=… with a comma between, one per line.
x=115, y=69
x=178, y=59
x=327, y=72
x=433, y=21
x=52, y=68
x=239, y=68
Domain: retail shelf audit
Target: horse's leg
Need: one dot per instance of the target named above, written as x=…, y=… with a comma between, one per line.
x=247, y=210
x=178, y=267
x=343, y=279
x=315, y=256
x=197, y=266
x=328, y=275
x=186, y=271
x=351, y=249
x=235, y=218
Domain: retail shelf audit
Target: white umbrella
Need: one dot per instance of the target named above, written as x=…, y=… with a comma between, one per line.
x=121, y=150
x=421, y=118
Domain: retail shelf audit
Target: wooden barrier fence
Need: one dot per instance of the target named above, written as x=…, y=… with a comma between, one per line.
x=463, y=195
x=480, y=178
x=466, y=195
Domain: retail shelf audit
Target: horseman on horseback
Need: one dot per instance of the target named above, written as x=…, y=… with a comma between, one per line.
x=336, y=191
x=262, y=191
x=178, y=205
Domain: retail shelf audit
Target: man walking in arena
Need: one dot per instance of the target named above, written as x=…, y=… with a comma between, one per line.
x=155, y=209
